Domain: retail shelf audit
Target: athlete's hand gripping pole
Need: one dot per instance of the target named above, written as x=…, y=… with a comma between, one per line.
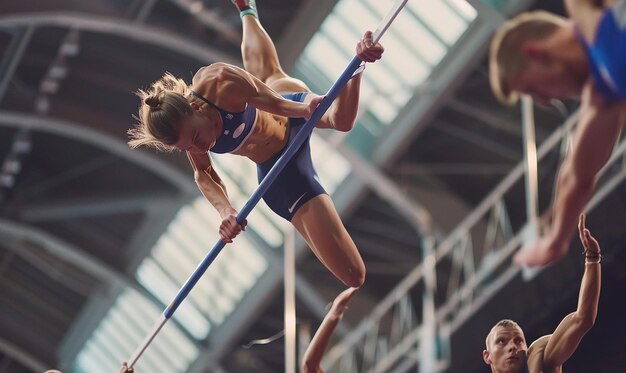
x=330, y=96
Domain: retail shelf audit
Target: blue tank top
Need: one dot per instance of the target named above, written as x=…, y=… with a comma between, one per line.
x=236, y=127
x=607, y=54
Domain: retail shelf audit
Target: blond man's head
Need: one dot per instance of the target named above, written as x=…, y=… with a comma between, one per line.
x=507, y=59
x=505, y=348
x=506, y=323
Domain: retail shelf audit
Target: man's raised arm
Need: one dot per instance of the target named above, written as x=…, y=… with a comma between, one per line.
x=574, y=326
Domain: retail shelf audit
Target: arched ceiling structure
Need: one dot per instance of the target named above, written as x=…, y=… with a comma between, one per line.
x=83, y=211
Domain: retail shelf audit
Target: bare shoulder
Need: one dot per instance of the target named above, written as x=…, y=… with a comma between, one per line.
x=535, y=354
x=539, y=344
x=228, y=86
x=211, y=71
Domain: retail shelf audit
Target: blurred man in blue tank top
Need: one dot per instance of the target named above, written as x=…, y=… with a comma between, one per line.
x=550, y=57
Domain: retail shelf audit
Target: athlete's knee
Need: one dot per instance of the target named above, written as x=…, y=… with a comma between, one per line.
x=277, y=79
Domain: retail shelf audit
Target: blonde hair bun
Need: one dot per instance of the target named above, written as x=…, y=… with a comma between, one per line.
x=153, y=101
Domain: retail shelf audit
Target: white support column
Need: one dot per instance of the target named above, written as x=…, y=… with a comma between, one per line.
x=428, y=341
x=530, y=156
x=290, y=301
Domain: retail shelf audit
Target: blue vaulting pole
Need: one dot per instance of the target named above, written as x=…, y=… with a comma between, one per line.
x=308, y=127
x=267, y=181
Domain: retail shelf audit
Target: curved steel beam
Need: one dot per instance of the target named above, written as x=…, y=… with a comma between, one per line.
x=67, y=252
x=21, y=356
x=416, y=214
x=103, y=141
x=211, y=19
x=122, y=28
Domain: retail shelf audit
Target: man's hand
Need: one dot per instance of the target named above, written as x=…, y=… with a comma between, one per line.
x=126, y=369
x=367, y=51
x=591, y=246
x=574, y=326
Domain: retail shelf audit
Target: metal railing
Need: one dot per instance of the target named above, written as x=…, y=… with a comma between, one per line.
x=471, y=265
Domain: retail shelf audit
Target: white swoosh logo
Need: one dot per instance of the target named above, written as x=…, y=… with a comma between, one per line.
x=239, y=130
x=290, y=209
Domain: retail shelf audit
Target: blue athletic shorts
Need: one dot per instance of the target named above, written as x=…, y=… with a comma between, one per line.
x=298, y=182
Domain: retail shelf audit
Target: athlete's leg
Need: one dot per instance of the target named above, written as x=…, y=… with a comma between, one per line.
x=257, y=48
x=320, y=225
x=315, y=352
x=259, y=53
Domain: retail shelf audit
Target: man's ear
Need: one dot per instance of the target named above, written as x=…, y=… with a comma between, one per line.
x=535, y=51
x=486, y=357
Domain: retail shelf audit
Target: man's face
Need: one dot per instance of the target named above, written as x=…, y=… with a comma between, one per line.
x=507, y=350
x=547, y=79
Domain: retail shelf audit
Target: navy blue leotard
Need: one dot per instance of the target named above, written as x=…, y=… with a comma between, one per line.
x=297, y=183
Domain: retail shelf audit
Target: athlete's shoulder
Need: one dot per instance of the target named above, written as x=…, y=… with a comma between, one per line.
x=222, y=78
x=213, y=70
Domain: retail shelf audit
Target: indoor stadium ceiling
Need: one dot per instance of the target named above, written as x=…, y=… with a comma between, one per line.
x=79, y=210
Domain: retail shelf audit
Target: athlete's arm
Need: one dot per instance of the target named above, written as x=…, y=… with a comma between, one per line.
x=598, y=130
x=586, y=15
x=585, y=5
x=236, y=87
x=574, y=326
x=214, y=191
x=342, y=113
x=314, y=353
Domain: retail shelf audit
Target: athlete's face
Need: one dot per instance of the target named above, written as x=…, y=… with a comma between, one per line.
x=546, y=79
x=196, y=135
x=507, y=350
